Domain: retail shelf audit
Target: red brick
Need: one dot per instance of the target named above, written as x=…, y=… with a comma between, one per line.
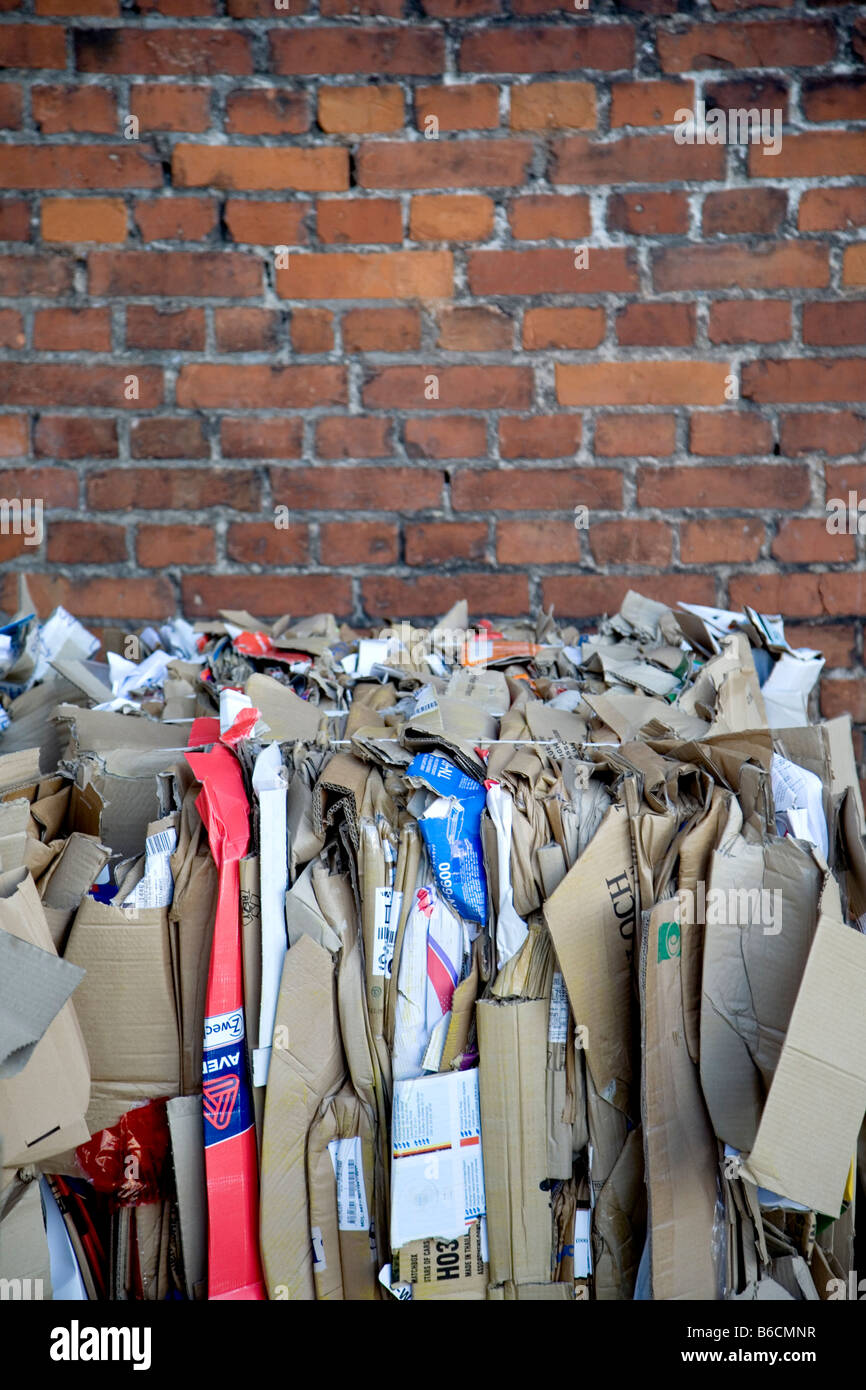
x=173, y=489
x=830, y=432
x=33, y=46
x=649, y=103
x=666, y=325
x=838, y=323
x=634, y=159
x=535, y=489
x=83, y=219
x=257, y=439
x=263, y=543
x=80, y=542
x=795, y=595
x=176, y=219
x=114, y=597
x=840, y=379
x=367, y=221
x=775, y=265
x=59, y=109
x=429, y=594
x=381, y=330
x=787, y=43
x=820, y=154
x=540, y=216
x=161, y=107
x=11, y=329
x=802, y=540
x=537, y=542
x=446, y=437
x=368, y=275
x=84, y=167
x=72, y=330
x=269, y=595
x=312, y=330
x=548, y=49
x=854, y=265
x=75, y=437
x=844, y=696
x=58, y=487
x=245, y=330
x=444, y=542
x=178, y=52
x=360, y=110
x=631, y=543
x=641, y=383
x=14, y=220
x=551, y=271
x=735, y=541
x=539, y=436
x=836, y=641
x=10, y=106
x=836, y=99
x=255, y=167
x=267, y=111
x=563, y=328
x=623, y=436
x=103, y=8
x=460, y=9
x=473, y=388
x=756, y=90
x=159, y=547
x=28, y=383
x=206, y=386
x=358, y=543
x=385, y=52
x=730, y=432
x=829, y=209
x=167, y=438
x=755, y=487
x=749, y=321
x=475, y=328
x=842, y=478
x=357, y=489
x=178, y=329
x=744, y=210
x=443, y=164
x=196, y=274
x=590, y=596
x=267, y=224
x=553, y=106
x=353, y=436
x=451, y=217
x=648, y=214
x=474, y=107
x=13, y=436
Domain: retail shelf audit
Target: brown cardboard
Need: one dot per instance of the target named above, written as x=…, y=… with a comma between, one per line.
x=680, y=1149
x=344, y=1262
x=187, y=1148
x=42, y=1107
x=444, y=1269
x=512, y=1044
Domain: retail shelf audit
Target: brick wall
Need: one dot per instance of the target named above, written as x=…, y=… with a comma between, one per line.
x=169, y=382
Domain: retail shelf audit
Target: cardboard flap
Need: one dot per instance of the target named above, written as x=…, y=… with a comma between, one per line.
x=34, y=986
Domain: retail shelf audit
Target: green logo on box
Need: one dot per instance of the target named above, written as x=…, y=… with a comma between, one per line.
x=669, y=940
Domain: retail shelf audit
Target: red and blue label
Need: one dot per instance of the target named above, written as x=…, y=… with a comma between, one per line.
x=225, y=1085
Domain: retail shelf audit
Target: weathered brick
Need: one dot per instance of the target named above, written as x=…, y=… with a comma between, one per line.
x=312, y=330
x=802, y=539
x=641, y=383
x=774, y=265
x=829, y=432
x=591, y=596
x=207, y=386
x=163, y=437
x=74, y=437
x=57, y=110
x=537, y=217
x=563, y=328
x=446, y=542
x=805, y=379
x=354, y=436
x=474, y=388
x=255, y=439
x=254, y=167
x=547, y=49
x=72, y=330
x=634, y=159
x=160, y=547
x=82, y=167
x=178, y=52
x=757, y=44
x=631, y=543
x=163, y=107
x=381, y=330
x=197, y=274
x=537, y=542
x=270, y=595
x=266, y=224
x=744, y=210
x=176, y=219
x=367, y=275
x=451, y=217
x=83, y=219
x=624, y=436
x=553, y=106
x=245, y=330
x=360, y=110
x=358, y=543
x=665, y=325
x=267, y=111
x=551, y=270
x=263, y=543
x=429, y=594
x=736, y=540
x=357, y=489
x=446, y=437
x=474, y=107
x=539, y=436
x=756, y=487
x=749, y=321
x=648, y=214
x=28, y=383
x=369, y=221
x=77, y=542
x=386, y=52
x=475, y=328
x=443, y=164
x=176, y=489
x=535, y=489
x=179, y=329
x=729, y=432
x=649, y=103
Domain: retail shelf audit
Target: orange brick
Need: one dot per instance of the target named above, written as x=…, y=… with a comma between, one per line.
x=734, y=541
x=72, y=330
x=359, y=220
x=352, y=437
x=312, y=330
x=60, y=109
x=641, y=383
x=266, y=224
x=253, y=167
x=176, y=219
x=451, y=217
x=624, y=436
x=242, y=329
x=368, y=275
x=553, y=105
x=13, y=436
x=543, y=215
x=539, y=436
x=730, y=432
x=749, y=321
x=165, y=107
x=381, y=330
x=446, y=437
x=360, y=110
x=267, y=112
x=649, y=103
x=474, y=107
x=83, y=219
x=562, y=328
x=475, y=328
x=537, y=542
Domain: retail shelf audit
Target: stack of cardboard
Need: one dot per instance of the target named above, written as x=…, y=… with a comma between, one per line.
x=451, y=963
